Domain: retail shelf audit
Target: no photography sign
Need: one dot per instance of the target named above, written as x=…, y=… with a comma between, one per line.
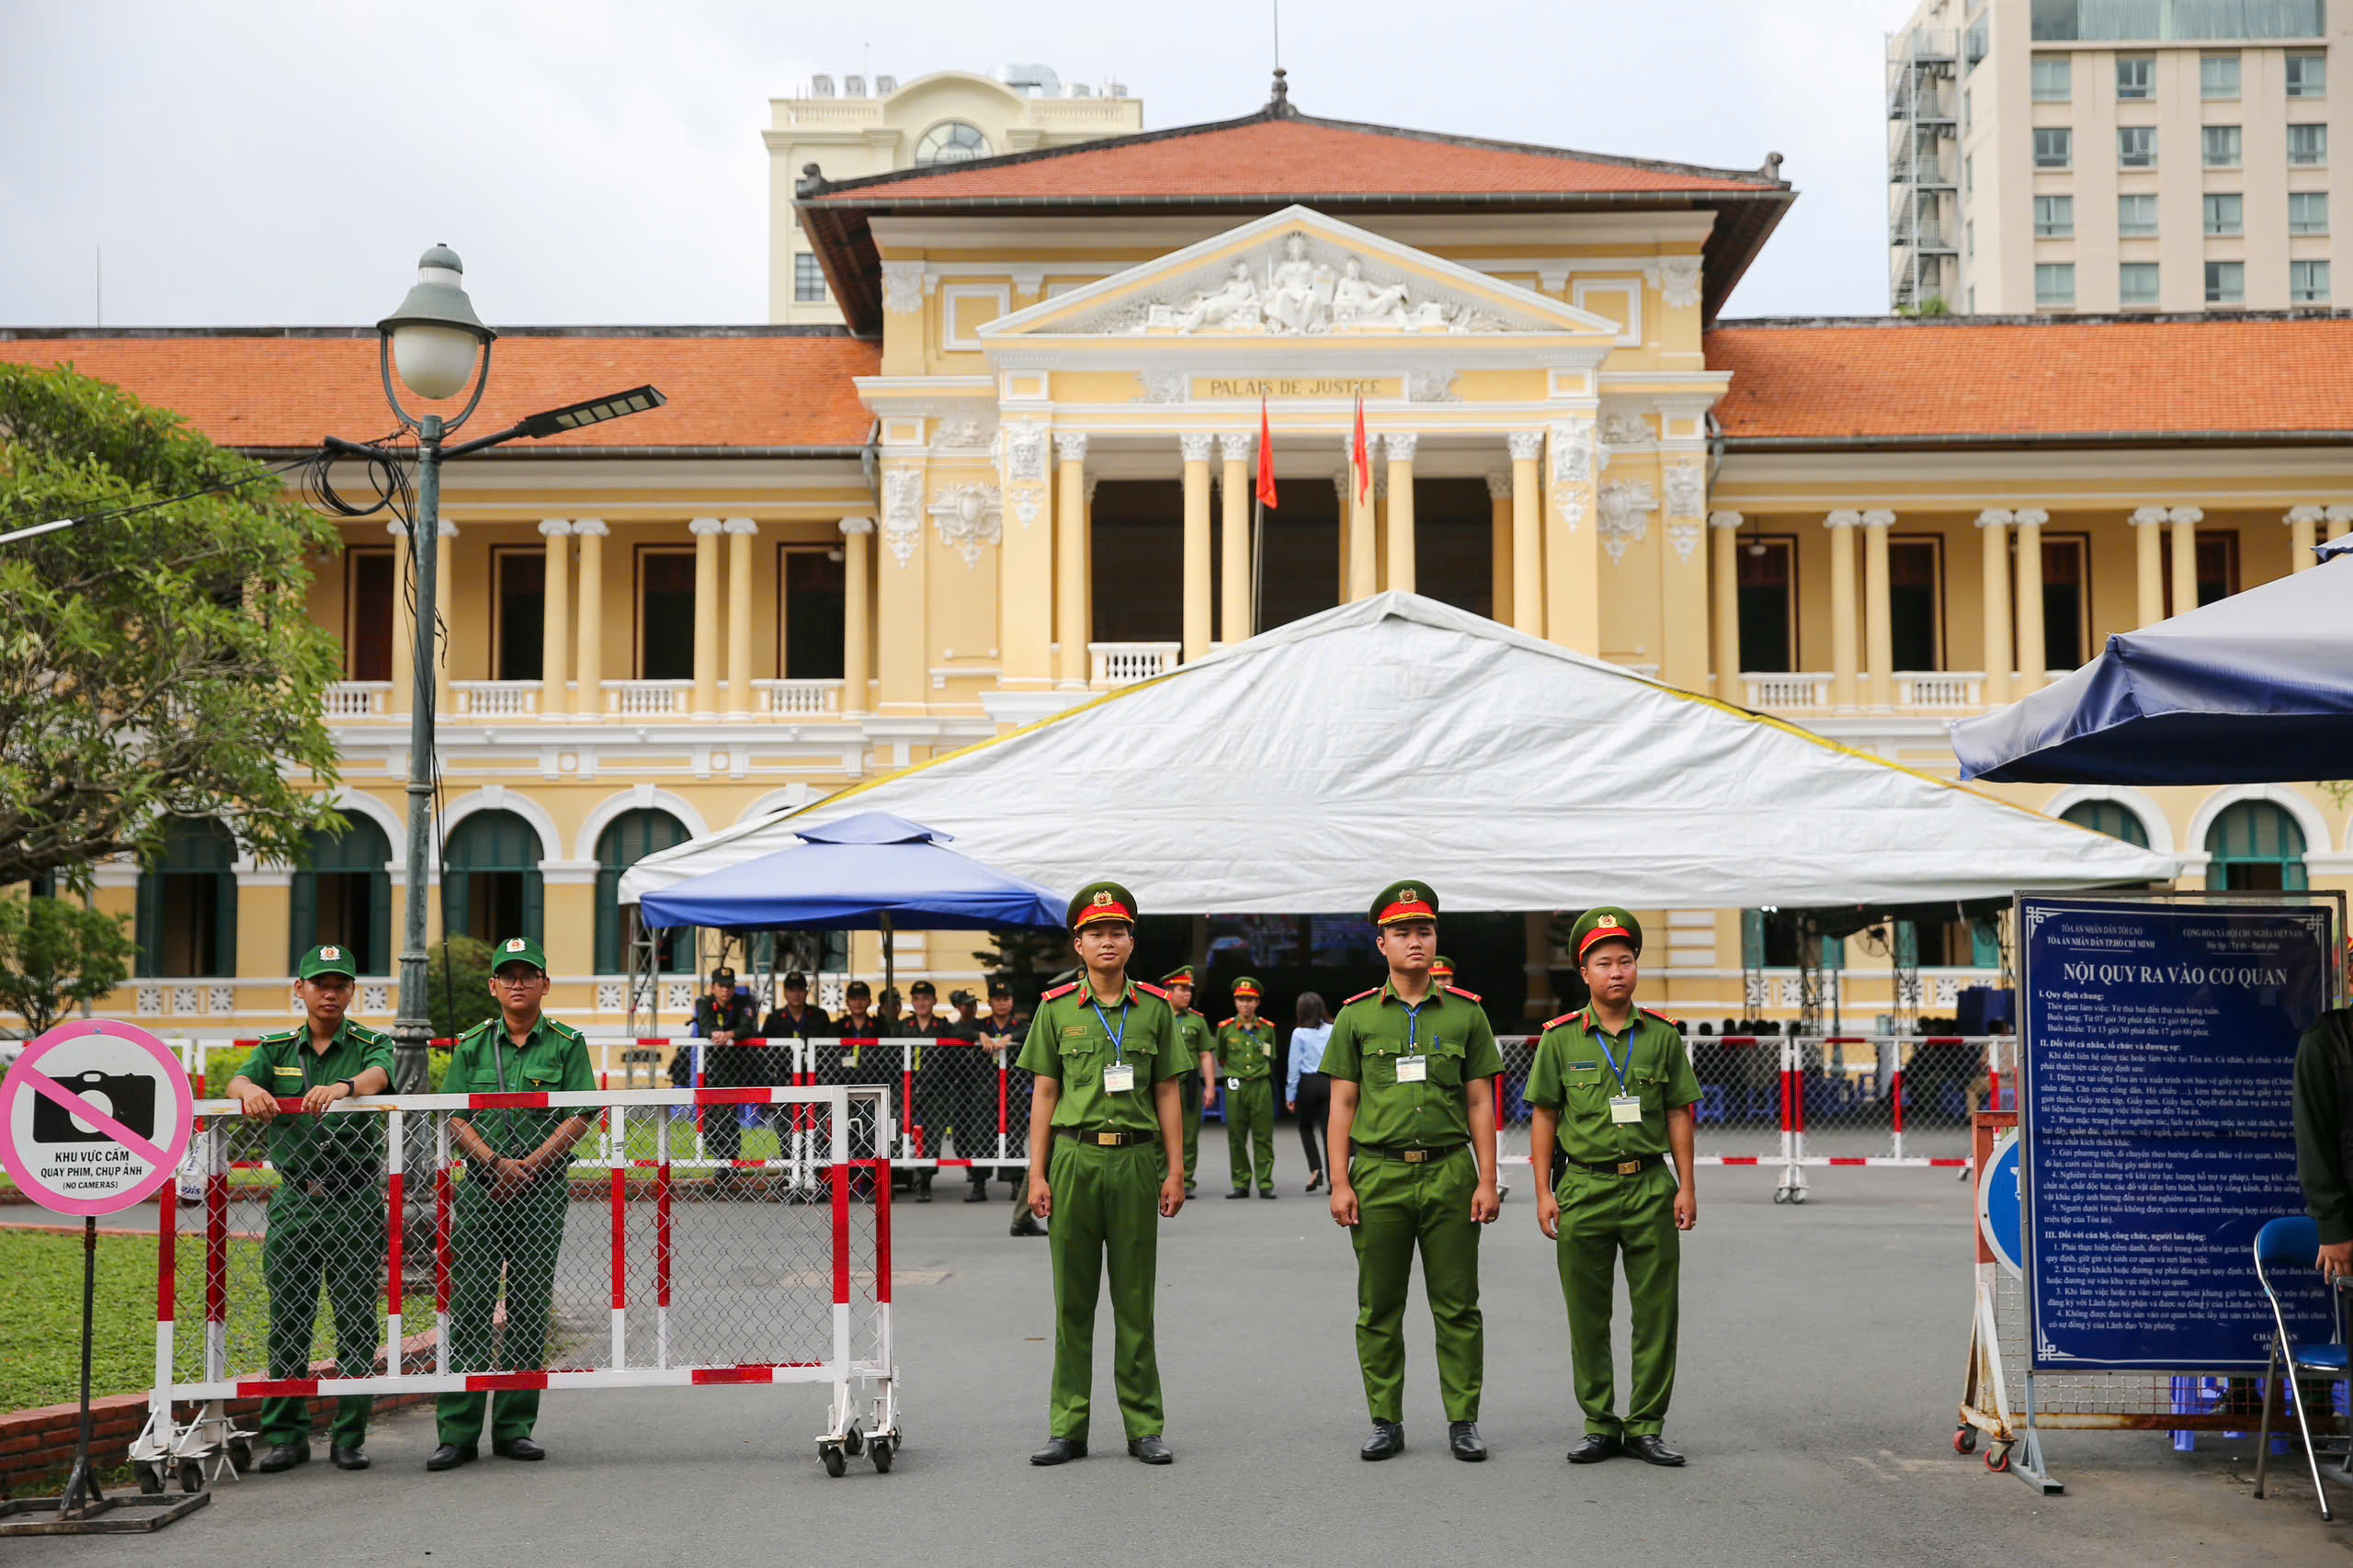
x=93, y=1117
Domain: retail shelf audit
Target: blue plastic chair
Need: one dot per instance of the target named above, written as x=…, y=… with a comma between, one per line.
x=2294, y=1242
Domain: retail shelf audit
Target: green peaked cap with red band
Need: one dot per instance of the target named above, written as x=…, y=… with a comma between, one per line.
x=1247, y=987
x=1181, y=975
x=1408, y=900
x=1102, y=900
x=1606, y=923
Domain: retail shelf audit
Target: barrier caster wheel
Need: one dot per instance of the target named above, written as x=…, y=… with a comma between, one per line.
x=241, y=1456
x=151, y=1480
x=1783, y=1194
x=879, y=1450
x=836, y=1464
x=854, y=1440
x=1997, y=1458
x=191, y=1476
x=1965, y=1441
x=1798, y=1196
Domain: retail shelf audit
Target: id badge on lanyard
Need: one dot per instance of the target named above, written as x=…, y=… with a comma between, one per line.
x=1625, y=1107
x=1414, y=1067
x=1118, y=1074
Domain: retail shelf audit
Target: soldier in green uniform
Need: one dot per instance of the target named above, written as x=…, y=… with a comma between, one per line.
x=1193, y=1034
x=327, y=1218
x=1614, y=1083
x=1107, y=1058
x=1245, y=1059
x=509, y=1210
x=1413, y=1152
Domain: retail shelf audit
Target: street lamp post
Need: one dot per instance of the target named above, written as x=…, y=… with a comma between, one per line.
x=436, y=345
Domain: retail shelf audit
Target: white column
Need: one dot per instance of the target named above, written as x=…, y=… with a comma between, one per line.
x=588, y=667
x=554, y=620
x=706, y=690
x=1879, y=612
x=1527, y=448
x=857, y=589
x=1499, y=547
x=1197, y=607
x=2185, y=521
x=1237, y=489
x=2149, y=596
x=2340, y=520
x=741, y=531
x=1725, y=526
x=1070, y=559
x=1842, y=525
x=1400, y=510
x=1363, y=570
x=2304, y=527
x=404, y=692
x=1993, y=569
x=445, y=566
x=2034, y=659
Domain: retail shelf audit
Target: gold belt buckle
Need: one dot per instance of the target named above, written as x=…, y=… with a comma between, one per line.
x=1416, y=1157
x=1107, y=1140
x=1630, y=1168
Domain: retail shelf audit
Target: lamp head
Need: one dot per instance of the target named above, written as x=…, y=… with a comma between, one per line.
x=436, y=335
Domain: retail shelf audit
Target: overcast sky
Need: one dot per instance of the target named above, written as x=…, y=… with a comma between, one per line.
x=282, y=162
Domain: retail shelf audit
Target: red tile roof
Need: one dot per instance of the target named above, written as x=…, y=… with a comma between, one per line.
x=1832, y=383
x=261, y=390
x=1286, y=158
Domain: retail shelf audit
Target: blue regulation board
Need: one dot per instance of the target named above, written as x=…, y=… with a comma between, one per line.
x=2159, y=1048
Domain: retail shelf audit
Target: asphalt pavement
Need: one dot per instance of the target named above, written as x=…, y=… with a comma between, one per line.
x=1822, y=1351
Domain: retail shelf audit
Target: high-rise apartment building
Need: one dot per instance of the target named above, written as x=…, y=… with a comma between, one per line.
x=2101, y=156
x=949, y=117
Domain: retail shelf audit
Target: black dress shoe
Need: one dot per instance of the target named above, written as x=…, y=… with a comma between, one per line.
x=519, y=1448
x=1593, y=1448
x=1462, y=1438
x=1238, y=1192
x=1387, y=1441
x=978, y=1192
x=1646, y=1447
x=923, y=1186
x=1060, y=1450
x=353, y=1457
x=1265, y=1192
x=283, y=1456
x=450, y=1456
x=1153, y=1450
x=1028, y=1226
x=1315, y=1182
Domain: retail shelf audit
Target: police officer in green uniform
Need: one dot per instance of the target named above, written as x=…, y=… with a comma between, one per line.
x=1107, y=1058
x=1413, y=1153
x=1245, y=1059
x=1614, y=1083
x=2324, y=1114
x=327, y=1218
x=1193, y=1034
x=509, y=1209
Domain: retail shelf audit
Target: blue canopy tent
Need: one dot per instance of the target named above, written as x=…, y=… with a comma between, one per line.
x=864, y=873
x=2253, y=689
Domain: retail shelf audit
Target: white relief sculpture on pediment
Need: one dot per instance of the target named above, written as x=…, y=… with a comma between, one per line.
x=969, y=518
x=901, y=511
x=1165, y=386
x=1625, y=508
x=964, y=432
x=1025, y=453
x=902, y=287
x=1679, y=280
x=1686, y=490
x=1304, y=287
x=1431, y=386
x=1572, y=461
x=1625, y=429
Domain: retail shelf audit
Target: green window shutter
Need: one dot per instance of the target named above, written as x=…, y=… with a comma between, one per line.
x=609, y=921
x=378, y=956
x=534, y=906
x=1907, y=945
x=453, y=904
x=1752, y=938
x=1834, y=952
x=224, y=948
x=1984, y=944
x=302, y=917
x=150, y=924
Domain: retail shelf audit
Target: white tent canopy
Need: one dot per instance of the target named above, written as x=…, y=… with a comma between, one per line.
x=1397, y=737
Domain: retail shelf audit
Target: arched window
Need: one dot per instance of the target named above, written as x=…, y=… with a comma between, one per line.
x=2109, y=817
x=490, y=878
x=951, y=142
x=627, y=840
x=2257, y=846
x=187, y=903
x=344, y=896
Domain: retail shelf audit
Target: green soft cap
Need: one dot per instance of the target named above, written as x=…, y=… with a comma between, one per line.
x=328, y=958
x=518, y=949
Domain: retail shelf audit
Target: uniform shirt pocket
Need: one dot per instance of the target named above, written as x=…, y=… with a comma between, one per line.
x=1446, y=1065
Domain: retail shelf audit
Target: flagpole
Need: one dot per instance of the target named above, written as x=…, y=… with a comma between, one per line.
x=1257, y=555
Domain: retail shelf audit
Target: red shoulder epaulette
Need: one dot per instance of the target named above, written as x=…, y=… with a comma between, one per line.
x=1362, y=995
x=1059, y=991
x=1569, y=1018
x=1467, y=996
x=1222, y=1022
x=1149, y=989
x=1675, y=1024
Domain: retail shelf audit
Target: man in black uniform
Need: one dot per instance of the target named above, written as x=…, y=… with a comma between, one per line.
x=938, y=1076
x=1001, y=1031
x=723, y=1018
x=795, y=1020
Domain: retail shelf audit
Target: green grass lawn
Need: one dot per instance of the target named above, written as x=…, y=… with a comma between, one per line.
x=40, y=1316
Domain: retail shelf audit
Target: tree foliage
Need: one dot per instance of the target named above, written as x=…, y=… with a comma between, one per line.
x=54, y=954
x=156, y=664
x=457, y=986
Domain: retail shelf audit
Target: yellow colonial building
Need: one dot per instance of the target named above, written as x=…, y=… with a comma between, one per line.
x=1021, y=472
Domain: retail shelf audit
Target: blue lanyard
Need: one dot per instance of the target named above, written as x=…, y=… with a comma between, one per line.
x=1602, y=1040
x=1413, y=1025
x=1120, y=1034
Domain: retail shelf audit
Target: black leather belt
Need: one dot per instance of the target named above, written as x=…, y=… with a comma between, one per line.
x=1410, y=1157
x=1633, y=1167
x=311, y=1187
x=1102, y=1139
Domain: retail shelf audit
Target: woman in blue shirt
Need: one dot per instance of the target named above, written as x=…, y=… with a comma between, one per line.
x=1308, y=1092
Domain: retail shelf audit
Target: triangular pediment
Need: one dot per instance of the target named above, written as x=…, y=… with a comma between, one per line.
x=1297, y=273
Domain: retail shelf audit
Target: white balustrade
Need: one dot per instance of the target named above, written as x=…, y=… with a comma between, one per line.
x=1125, y=664
x=1775, y=690
x=356, y=699
x=1940, y=688
x=639, y=698
x=798, y=698
x=495, y=698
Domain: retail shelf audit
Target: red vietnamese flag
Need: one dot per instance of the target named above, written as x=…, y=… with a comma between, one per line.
x=1265, y=458
x=1359, y=456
